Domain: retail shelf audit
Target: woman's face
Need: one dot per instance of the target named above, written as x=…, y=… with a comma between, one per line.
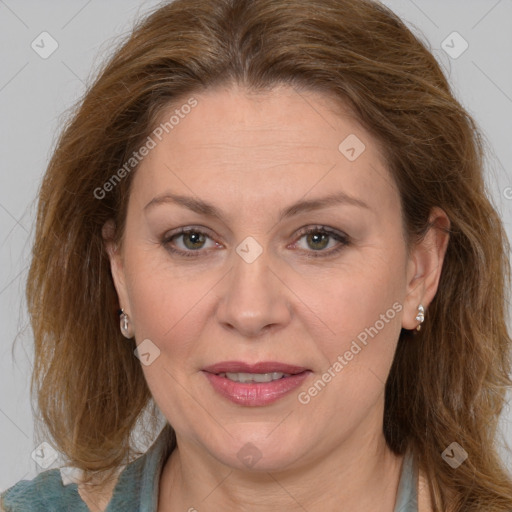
x=248, y=175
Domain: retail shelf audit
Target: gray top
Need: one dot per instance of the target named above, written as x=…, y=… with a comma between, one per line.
x=138, y=486
x=407, y=495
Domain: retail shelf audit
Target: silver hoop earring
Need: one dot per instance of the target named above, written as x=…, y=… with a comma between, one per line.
x=126, y=328
x=420, y=317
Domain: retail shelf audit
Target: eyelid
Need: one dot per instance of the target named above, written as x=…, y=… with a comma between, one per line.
x=187, y=229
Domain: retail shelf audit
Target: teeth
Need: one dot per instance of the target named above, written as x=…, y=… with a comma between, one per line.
x=254, y=377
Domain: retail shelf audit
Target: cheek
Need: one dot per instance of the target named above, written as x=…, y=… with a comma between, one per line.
x=164, y=303
x=361, y=309
x=365, y=317
x=168, y=311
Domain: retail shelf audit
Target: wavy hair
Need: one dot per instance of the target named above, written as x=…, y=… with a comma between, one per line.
x=447, y=383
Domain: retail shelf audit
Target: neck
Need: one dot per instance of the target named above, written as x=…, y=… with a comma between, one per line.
x=357, y=476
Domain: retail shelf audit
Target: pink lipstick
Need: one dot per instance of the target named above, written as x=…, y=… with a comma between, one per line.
x=254, y=384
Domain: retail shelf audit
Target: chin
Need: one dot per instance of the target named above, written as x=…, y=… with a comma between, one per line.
x=260, y=451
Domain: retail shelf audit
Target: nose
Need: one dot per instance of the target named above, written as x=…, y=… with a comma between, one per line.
x=254, y=300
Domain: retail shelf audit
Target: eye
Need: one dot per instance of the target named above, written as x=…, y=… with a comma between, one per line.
x=192, y=240
x=319, y=238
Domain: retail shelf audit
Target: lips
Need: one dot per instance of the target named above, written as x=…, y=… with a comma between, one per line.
x=263, y=367
x=252, y=393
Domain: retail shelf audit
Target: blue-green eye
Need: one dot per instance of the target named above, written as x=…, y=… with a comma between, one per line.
x=320, y=242
x=319, y=238
x=192, y=240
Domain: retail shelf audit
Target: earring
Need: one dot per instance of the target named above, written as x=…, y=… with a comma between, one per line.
x=126, y=328
x=420, y=317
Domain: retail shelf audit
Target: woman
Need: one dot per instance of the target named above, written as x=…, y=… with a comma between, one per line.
x=267, y=220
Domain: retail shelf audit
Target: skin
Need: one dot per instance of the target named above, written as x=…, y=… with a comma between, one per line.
x=252, y=155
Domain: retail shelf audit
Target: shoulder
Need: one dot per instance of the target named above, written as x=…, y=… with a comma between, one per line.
x=45, y=492
x=133, y=485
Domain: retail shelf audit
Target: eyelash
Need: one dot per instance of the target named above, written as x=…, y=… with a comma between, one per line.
x=339, y=237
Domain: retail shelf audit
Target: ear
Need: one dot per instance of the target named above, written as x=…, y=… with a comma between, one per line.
x=116, y=264
x=424, y=267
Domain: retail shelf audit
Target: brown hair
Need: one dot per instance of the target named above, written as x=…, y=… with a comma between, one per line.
x=447, y=383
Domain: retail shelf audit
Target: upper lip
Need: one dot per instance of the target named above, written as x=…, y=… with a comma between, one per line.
x=262, y=367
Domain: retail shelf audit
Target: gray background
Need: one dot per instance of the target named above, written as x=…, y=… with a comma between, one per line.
x=35, y=93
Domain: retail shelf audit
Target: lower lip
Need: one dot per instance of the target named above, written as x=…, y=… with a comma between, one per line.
x=255, y=393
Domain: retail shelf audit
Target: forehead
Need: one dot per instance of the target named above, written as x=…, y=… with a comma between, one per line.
x=235, y=141
x=233, y=121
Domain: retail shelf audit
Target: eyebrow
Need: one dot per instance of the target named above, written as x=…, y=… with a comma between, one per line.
x=203, y=208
